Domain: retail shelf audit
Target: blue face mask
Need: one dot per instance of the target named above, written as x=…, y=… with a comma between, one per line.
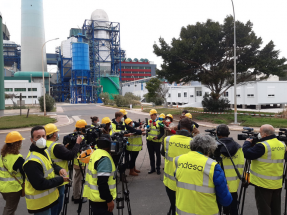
x=111, y=127
x=133, y=125
x=160, y=119
x=58, y=136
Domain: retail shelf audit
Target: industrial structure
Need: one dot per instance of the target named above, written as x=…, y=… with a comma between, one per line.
x=2, y=94
x=137, y=69
x=102, y=40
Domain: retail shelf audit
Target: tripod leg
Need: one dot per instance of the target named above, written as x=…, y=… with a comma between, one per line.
x=82, y=188
x=67, y=188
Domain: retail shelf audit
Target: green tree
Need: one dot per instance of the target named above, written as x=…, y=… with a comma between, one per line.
x=50, y=103
x=204, y=52
x=105, y=97
x=156, y=91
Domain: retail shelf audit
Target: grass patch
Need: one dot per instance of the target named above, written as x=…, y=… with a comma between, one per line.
x=9, y=122
x=245, y=120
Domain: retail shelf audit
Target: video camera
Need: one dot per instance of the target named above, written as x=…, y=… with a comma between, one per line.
x=248, y=133
x=119, y=142
x=216, y=154
x=90, y=134
x=282, y=135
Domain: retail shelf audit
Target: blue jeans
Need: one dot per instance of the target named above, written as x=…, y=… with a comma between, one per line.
x=56, y=209
x=46, y=212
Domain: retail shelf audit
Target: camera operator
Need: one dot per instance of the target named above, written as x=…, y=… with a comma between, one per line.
x=100, y=187
x=78, y=177
x=95, y=121
x=174, y=146
x=60, y=155
x=107, y=129
x=236, y=153
x=118, y=120
x=154, y=139
x=266, y=170
x=200, y=178
x=135, y=145
x=41, y=182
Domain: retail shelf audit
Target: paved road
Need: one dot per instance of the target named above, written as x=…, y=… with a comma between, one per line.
x=147, y=192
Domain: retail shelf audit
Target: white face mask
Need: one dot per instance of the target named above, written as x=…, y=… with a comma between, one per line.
x=41, y=143
x=259, y=136
x=98, y=123
x=122, y=119
x=58, y=137
x=168, y=120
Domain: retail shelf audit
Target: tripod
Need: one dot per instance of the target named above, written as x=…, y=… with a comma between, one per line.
x=124, y=188
x=67, y=187
x=244, y=184
x=83, y=171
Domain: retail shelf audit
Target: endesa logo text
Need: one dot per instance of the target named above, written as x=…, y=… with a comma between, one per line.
x=180, y=145
x=190, y=166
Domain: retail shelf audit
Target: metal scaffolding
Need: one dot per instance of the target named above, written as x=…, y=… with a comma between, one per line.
x=91, y=91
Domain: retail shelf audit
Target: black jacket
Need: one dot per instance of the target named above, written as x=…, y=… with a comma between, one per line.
x=34, y=172
x=231, y=145
x=61, y=152
x=18, y=165
x=133, y=130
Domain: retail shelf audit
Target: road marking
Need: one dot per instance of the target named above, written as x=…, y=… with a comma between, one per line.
x=76, y=118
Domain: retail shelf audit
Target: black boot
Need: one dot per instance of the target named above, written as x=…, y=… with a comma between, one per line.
x=151, y=171
x=158, y=171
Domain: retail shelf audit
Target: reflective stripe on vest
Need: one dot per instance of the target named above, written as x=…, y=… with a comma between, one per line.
x=96, y=187
x=179, y=212
x=267, y=171
x=46, y=172
x=41, y=195
x=50, y=152
x=174, y=146
x=100, y=173
x=194, y=181
x=232, y=167
x=154, y=132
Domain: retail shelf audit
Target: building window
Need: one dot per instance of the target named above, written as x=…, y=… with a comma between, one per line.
x=147, y=67
x=271, y=95
x=179, y=95
x=185, y=94
x=20, y=89
x=191, y=95
x=18, y=97
x=29, y=97
x=238, y=95
x=128, y=67
x=225, y=94
x=122, y=67
x=198, y=93
x=141, y=67
x=33, y=89
x=135, y=67
x=169, y=95
x=250, y=95
x=8, y=89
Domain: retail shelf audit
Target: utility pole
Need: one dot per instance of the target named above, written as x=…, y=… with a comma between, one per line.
x=31, y=90
x=2, y=93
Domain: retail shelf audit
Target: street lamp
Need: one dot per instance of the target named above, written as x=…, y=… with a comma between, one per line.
x=235, y=96
x=44, y=89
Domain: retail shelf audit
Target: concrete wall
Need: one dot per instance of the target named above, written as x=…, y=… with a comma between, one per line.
x=23, y=84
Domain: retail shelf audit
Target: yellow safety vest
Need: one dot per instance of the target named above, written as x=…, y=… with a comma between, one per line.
x=8, y=183
x=230, y=174
x=267, y=171
x=135, y=143
x=114, y=130
x=173, y=146
x=91, y=190
x=154, y=131
x=38, y=199
x=76, y=161
x=195, y=190
x=62, y=163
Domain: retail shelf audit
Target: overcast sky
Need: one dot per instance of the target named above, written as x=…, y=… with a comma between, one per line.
x=143, y=22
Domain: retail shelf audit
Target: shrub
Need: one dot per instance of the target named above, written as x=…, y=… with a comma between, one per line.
x=131, y=96
x=50, y=103
x=212, y=105
x=121, y=101
x=105, y=97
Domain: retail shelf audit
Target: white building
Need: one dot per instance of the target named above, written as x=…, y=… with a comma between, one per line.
x=253, y=95
x=23, y=86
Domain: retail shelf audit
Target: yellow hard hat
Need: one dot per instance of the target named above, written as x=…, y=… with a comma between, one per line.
x=169, y=115
x=188, y=115
x=123, y=111
x=85, y=156
x=152, y=111
x=13, y=136
x=106, y=120
x=51, y=128
x=81, y=123
x=162, y=115
x=128, y=121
